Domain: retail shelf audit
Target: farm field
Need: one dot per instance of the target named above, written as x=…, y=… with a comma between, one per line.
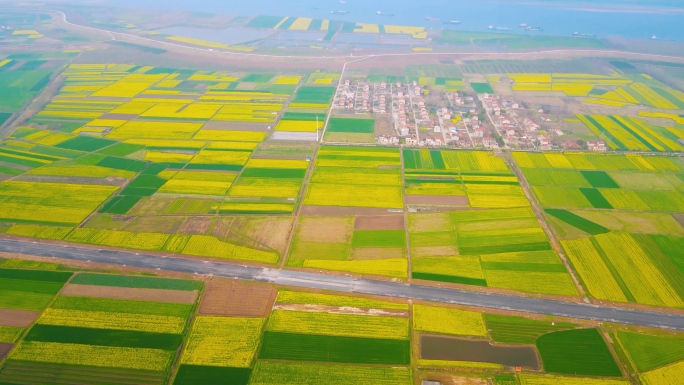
x=478, y=248
x=359, y=244
x=154, y=330
x=590, y=199
x=497, y=243
x=616, y=90
x=159, y=159
x=113, y=327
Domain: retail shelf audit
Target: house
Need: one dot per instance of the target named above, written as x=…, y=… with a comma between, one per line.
x=489, y=142
x=479, y=132
x=597, y=146
x=411, y=140
x=530, y=124
x=558, y=132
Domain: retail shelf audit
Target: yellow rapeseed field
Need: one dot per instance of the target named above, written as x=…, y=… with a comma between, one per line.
x=92, y=355
x=646, y=283
x=233, y=136
x=442, y=320
x=349, y=325
x=595, y=274
x=223, y=341
x=384, y=267
x=113, y=321
x=155, y=130
x=667, y=375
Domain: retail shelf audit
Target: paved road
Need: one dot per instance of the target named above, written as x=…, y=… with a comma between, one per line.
x=348, y=284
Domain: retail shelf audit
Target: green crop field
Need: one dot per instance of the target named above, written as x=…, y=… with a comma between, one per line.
x=491, y=245
x=581, y=351
x=303, y=347
x=603, y=207
x=649, y=352
x=518, y=330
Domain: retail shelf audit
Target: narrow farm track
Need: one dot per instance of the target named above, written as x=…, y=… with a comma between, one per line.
x=349, y=284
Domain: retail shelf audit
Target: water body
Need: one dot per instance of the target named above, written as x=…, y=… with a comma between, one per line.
x=555, y=18
x=458, y=349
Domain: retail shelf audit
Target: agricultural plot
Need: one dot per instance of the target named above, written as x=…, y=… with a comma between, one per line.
x=270, y=178
x=105, y=326
x=340, y=338
x=670, y=374
x=618, y=255
x=180, y=142
x=352, y=130
x=116, y=328
x=616, y=90
x=480, y=178
x=356, y=177
x=577, y=352
x=361, y=244
x=519, y=330
x=628, y=133
x=504, y=248
x=448, y=321
x=648, y=352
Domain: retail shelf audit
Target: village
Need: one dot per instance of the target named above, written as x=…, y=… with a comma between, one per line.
x=424, y=116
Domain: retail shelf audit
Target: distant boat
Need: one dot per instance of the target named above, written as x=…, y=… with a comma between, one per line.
x=530, y=28
x=384, y=14
x=432, y=19
x=523, y=25
x=452, y=22
x=339, y=12
x=582, y=34
x=654, y=37
x=499, y=28
x=343, y=2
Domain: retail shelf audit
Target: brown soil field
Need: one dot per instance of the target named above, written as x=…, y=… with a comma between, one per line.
x=448, y=379
x=154, y=295
x=196, y=225
x=436, y=200
x=17, y=318
x=385, y=222
x=324, y=229
x=340, y=310
x=4, y=350
x=383, y=125
x=679, y=218
x=368, y=253
x=336, y=210
x=263, y=231
x=235, y=298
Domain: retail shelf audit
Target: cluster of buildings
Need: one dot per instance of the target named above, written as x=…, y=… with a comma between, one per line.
x=346, y=96
x=402, y=111
x=354, y=97
x=518, y=126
